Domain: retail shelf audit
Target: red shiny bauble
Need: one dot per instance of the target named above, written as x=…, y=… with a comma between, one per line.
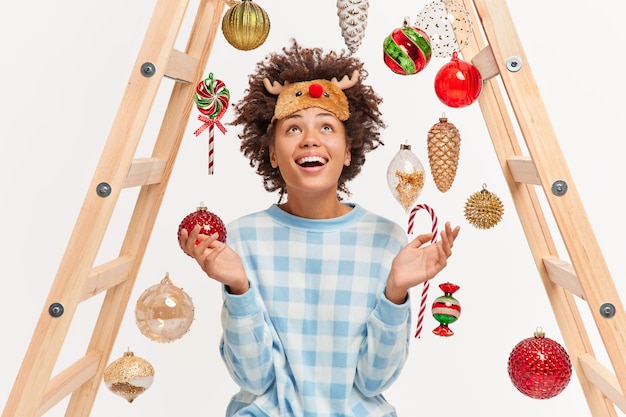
x=458, y=83
x=539, y=367
x=209, y=222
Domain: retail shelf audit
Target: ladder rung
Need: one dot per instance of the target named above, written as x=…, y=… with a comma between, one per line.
x=563, y=274
x=144, y=171
x=68, y=380
x=523, y=170
x=181, y=67
x=106, y=276
x=486, y=63
x=604, y=380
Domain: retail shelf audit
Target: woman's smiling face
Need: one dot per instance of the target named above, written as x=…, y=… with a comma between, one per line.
x=310, y=150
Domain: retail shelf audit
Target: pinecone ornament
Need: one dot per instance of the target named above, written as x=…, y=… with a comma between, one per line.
x=444, y=145
x=352, y=20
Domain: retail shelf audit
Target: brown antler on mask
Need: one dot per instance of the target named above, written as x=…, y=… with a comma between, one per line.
x=327, y=95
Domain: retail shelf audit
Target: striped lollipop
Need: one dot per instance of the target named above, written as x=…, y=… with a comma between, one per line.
x=211, y=98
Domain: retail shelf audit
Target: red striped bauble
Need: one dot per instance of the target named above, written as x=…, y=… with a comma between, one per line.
x=407, y=51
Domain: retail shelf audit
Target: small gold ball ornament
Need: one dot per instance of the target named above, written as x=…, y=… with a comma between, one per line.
x=129, y=376
x=245, y=25
x=483, y=209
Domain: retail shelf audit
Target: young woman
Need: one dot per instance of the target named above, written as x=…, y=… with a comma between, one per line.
x=316, y=316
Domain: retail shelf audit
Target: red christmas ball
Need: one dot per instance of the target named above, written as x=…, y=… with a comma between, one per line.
x=458, y=83
x=210, y=223
x=539, y=367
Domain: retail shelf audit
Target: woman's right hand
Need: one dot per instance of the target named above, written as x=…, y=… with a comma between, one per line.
x=216, y=259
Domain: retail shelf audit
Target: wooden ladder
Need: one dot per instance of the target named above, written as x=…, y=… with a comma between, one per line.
x=35, y=391
x=496, y=51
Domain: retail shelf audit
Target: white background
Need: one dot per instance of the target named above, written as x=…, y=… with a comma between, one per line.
x=65, y=68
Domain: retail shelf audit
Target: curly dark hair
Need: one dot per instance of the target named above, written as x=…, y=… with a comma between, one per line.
x=295, y=64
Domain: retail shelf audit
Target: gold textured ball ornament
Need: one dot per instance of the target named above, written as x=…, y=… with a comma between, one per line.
x=245, y=25
x=129, y=376
x=483, y=209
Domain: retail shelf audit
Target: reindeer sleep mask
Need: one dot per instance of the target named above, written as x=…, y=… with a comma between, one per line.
x=324, y=94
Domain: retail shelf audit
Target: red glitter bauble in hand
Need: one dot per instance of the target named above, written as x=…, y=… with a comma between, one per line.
x=539, y=367
x=458, y=83
x=209, y=222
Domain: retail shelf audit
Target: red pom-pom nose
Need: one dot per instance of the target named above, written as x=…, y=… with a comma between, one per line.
x=316, y=90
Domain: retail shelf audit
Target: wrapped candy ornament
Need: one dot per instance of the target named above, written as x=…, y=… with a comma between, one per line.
x=539, y=367
x=406, y=51
x=405, y=177
x=446, y=309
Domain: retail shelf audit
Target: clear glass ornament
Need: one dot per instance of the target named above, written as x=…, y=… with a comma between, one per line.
x=405, y=177
x=164, y=312
x=448, y=24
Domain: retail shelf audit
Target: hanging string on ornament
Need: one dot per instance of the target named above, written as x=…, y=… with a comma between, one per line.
x=405, y=177
x=212, y=99
x=426, y=285
x=352, y=21
x=458, y=83
x=446, y=309
x=209, y=222
x=448, y=25
x=164, y=312
x=444, y=147
x=484, y=209
x=129, y=376
x=539, y=367
x=406, y=51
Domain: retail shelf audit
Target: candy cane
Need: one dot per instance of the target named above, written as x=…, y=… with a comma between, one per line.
x=434, y=230
x=212, y=98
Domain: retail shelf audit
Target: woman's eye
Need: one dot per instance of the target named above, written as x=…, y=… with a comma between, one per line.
x=327, y=128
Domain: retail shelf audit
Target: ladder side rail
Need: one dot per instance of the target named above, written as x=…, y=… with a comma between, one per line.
x=528, y=207
x=541, y=141
x=150, y=197
x=89, y=230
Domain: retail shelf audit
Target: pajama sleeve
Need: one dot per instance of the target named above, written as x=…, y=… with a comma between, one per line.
x=385, y=348
x=246, y=344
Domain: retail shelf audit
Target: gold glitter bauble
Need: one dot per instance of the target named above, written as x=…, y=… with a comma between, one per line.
x=164, y=312
x=483, y=209
x=444, y=146
x=129, y=376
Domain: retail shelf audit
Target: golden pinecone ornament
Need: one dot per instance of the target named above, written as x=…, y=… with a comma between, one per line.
x=352, y=20
x=444, y=145
x=483, y=209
